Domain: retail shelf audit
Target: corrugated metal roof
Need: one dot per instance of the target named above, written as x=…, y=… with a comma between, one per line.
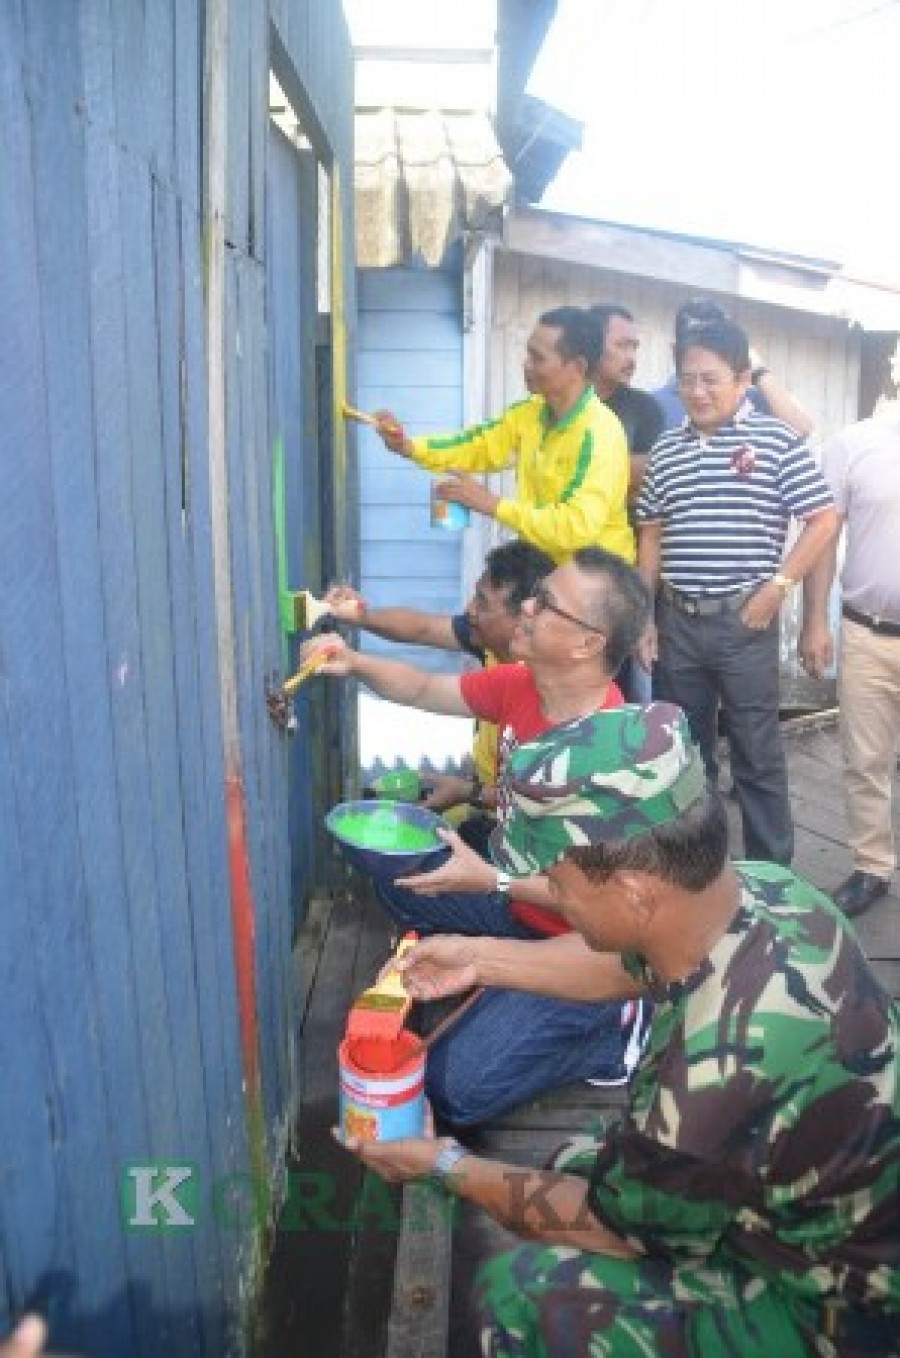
x=423, y=178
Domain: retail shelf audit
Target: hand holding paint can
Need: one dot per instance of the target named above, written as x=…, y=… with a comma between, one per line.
x=447, y=513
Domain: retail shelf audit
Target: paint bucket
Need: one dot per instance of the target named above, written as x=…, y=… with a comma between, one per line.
x=446, y=513
x=387, y=1102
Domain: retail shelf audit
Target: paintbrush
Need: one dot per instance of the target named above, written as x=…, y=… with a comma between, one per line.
x=308, y=610
x=313, y=662
x=360, y=417
x=381, y=1011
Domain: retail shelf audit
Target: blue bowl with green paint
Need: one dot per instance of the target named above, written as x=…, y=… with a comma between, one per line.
x=388, y=839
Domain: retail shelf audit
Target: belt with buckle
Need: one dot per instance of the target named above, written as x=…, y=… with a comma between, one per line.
x=705, y=605
x=882, y=626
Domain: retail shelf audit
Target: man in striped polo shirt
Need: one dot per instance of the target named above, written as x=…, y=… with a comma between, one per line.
x=712, y=519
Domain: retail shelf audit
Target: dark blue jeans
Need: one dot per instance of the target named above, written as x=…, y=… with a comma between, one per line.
x=510, y=1046
x=708, y=662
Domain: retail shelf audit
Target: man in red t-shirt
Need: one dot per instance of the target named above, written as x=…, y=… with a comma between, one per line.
x=574, y=634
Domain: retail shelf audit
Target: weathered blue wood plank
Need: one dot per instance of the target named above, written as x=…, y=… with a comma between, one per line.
x=210, y=908
x=128, y=20
x=394, y=485
x=160, y=109
x=187, y=78
x=411, y=362
x=96, y=38
x=430, y=290
x=258, y=100
x=405, y=331
x=424, y=410
x=416, y=594
x=38, y=683
x=30, y=1185
x=185, y=842
x=163, y=899
x=393, y=371
x=238, y=107
x=145, y=1107
x=255, y=600
x=425, y=561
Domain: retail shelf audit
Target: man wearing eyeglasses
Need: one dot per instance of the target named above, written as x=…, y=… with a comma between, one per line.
x=568, y=450
x=574, y=632
x=712, y=518
x=765, y=394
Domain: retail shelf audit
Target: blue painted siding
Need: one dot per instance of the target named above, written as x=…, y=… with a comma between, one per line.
x=409, y=360
x=119, y=1016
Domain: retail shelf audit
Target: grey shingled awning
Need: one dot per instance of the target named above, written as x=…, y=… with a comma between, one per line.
x=423, y=178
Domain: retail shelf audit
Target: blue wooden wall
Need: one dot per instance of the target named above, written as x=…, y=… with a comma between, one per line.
x=409, y=356
x=120, y=1032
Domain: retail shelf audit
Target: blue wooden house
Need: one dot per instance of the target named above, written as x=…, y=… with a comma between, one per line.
x=177, y=324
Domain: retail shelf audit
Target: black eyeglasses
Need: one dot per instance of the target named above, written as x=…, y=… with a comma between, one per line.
x=542, y=600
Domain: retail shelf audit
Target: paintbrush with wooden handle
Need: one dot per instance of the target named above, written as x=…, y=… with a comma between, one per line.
x=360, y=417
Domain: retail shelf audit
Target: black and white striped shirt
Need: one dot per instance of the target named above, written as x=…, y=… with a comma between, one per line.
x=725, y=501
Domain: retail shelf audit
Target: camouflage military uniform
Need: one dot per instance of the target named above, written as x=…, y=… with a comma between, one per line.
x=757, y=1168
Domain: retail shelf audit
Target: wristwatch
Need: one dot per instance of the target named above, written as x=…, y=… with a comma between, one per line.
x=503, y=882
x=784, y=582
x=448, y=1157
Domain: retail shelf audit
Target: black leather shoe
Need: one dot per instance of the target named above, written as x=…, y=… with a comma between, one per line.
x=860, y=890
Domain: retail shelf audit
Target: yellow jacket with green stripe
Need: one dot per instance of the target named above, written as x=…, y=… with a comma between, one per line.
x=571, y=476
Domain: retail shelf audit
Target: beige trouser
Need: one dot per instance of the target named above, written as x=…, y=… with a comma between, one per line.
x=869, y=683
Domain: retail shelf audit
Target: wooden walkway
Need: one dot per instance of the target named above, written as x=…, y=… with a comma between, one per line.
x=332, y=1287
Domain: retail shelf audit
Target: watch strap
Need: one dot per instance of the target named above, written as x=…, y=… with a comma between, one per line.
x=448, y=1157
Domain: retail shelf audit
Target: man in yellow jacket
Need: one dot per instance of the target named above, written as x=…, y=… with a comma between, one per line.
x=568, y=449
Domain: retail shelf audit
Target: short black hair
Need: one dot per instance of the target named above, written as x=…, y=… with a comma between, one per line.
x=697, y=311
x=689, y=852
x=601, y=313
x=724, y=338
x=579, y=337
x=518, y=567
x=621, y=608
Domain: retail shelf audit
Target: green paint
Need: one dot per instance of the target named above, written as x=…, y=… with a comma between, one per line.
x=383, y=829
x=285, y=599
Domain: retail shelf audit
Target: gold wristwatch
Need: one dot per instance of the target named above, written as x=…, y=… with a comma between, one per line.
x=784, y=582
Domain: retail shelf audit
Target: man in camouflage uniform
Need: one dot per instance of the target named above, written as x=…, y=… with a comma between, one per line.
x=749, y=1203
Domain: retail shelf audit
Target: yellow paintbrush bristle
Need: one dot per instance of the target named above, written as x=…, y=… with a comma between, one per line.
x=381, y=1011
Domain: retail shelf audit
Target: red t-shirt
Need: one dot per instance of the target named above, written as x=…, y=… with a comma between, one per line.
x=507, y=696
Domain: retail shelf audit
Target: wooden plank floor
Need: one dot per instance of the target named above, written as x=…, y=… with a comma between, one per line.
x=329, y=1290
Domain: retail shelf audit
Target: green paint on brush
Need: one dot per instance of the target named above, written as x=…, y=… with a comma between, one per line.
x=383, y=829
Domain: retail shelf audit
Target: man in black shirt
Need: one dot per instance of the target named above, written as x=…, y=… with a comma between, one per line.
x=641, y=417
x=638, y=411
